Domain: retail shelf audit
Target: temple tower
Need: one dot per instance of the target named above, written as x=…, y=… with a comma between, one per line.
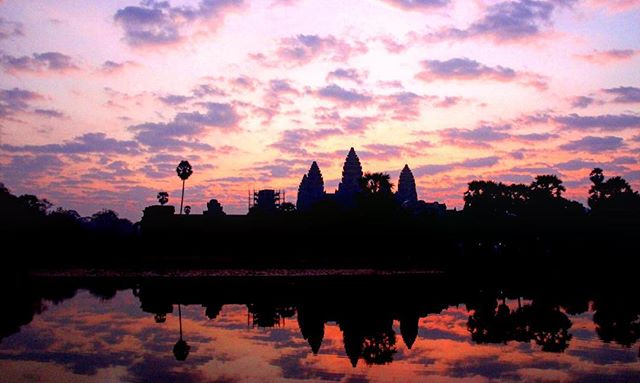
x=311, y=190
x=351, y=175
x=406, y=187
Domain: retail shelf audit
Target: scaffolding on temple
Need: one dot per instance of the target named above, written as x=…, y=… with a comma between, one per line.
x=266, y=199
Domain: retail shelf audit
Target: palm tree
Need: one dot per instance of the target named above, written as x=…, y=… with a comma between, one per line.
x=376, y=183
x=184, y=171
x=163, y=197
x=181, y=348
x=548, y=185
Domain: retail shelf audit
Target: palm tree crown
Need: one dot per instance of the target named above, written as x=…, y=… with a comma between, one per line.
x=184, y=170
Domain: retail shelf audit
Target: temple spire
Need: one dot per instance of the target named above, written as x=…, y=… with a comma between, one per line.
x=311, y=189
x=351, y=175
x=406, y=187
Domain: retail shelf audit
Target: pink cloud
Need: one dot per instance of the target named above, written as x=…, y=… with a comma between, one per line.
x=609, y=56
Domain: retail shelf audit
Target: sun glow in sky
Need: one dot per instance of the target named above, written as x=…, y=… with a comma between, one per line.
x=99, y=101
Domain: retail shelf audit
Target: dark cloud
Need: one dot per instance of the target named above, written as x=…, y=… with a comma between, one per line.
x=38, y=62
x=412, y=5
x=594, y=144
x=87, y=143
x=347, y=74
x=10, y=29
x=341, y=95
x=16, y=100
x=509, y=21
x=603, y=122
x=463, y=69
x=157, y=23
x=624, y=94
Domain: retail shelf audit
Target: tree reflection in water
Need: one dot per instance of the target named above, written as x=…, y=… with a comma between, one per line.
x=367, y=324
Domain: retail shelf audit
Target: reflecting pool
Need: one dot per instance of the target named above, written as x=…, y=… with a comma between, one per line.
x=314, y=329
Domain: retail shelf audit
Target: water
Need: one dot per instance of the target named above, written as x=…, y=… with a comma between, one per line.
x=126, y=332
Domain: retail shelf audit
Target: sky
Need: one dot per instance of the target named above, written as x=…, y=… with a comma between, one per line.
x=99, y=101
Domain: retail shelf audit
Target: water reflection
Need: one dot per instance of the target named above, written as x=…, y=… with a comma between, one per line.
x=235, y=330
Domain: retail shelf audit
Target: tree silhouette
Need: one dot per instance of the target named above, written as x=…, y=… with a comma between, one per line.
x=376, y=183
x=214, y=208
x=184, y=171
x=163, y=197
x=613, y=195
x=548, y=185
x=181, y=348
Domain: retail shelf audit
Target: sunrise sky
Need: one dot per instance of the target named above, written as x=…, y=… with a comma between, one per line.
x=100, y=100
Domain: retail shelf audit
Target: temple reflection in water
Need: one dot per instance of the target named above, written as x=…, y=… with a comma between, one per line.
x=367, y=314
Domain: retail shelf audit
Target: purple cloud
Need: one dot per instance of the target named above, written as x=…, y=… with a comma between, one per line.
x=381, y=151
x=536, y=136
x=413, y=5
x=10, y=29
x=347, y=74
x=174, y=99
x=49, y=113
x=293, y=141
x=180, y=132
x=111, y=67
x=594, y=144
x=38, y=63
x=478, y=137
x=16, y=100
x=302, y=49
x=624, y=94
x=405, y=106
x=217, y=115
x=157, y=23
x=603, y=122
x=344, y=96
x=22, y=169
x=471, y=163
x=577, y=164
x=508, y=21
x=87, y=143
x=463, y=69
x=582, y=101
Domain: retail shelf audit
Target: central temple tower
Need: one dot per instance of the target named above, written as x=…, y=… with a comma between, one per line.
x=351, y=175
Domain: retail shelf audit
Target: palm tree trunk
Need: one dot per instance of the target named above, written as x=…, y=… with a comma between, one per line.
x=182, y=199
x=180, y=319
